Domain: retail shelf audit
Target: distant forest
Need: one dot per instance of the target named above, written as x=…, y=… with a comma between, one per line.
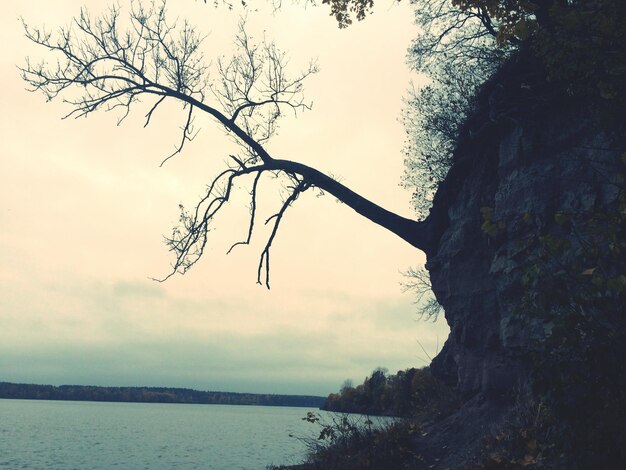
x=151, y=395
x=407, y=393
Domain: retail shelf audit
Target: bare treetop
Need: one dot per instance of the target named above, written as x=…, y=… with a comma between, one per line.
x=109, y=68
x=155, y=57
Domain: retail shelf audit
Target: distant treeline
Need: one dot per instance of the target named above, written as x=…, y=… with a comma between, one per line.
x=407, y=393
x=151, y=395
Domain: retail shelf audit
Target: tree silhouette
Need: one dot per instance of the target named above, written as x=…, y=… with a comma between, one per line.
x=154, y=59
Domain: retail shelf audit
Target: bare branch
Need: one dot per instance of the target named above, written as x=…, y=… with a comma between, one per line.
x=252, y=213
x=97, y=66
x=188, y=134
x=254, y=87
x=149, y=113
x=418, y=282
x=265, y=255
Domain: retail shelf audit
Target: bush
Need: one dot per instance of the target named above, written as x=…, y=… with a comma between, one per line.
x=356, y=442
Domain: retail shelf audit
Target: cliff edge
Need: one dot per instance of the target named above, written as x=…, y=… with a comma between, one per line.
x=528, y=262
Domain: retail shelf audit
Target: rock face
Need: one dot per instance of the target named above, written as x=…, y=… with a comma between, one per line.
x=527, y=154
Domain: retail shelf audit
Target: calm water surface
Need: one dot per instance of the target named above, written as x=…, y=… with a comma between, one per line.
x=89, y=435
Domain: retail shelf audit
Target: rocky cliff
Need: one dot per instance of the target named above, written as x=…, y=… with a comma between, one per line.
x=514, y=224
x=526, y=249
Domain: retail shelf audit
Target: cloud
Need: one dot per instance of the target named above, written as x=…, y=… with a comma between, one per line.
x=84, y=204
x=134, y=332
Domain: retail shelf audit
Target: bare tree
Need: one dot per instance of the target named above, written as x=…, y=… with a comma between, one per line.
x=418, y=282
x=157, y=60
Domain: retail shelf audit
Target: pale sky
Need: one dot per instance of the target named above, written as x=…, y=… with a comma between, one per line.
x=84, y=206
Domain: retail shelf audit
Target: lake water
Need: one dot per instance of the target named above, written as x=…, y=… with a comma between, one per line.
x=92, y=435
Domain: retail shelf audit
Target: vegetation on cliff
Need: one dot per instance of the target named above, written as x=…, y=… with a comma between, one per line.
x=519, y=145
x=535, y=291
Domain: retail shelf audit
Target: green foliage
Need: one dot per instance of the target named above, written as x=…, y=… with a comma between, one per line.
x=510, y=20
x=343, y=10
x=491, y=226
